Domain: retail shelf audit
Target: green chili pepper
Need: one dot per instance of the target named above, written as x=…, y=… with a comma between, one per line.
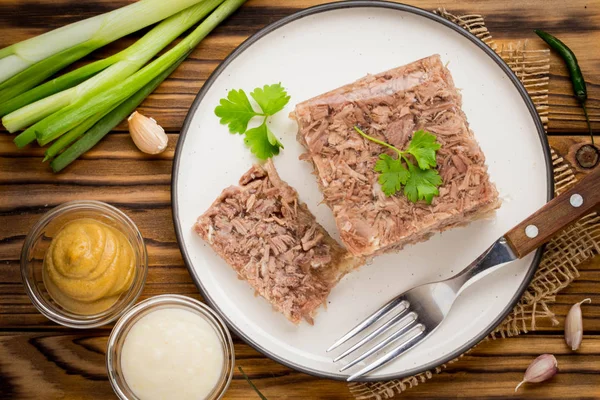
x=574, y=71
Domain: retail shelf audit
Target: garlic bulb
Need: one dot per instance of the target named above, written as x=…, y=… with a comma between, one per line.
x=542, y=368
x=147, y=135
x=574, y=325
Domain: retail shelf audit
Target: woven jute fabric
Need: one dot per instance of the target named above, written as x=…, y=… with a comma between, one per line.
x=575, y=245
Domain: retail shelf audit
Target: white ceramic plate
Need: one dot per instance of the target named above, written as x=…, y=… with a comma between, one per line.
x=312, y=52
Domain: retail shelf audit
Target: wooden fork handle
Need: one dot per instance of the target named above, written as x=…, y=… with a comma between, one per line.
x=556, y=215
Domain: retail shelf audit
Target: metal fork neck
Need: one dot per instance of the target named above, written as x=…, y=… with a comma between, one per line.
x=499, y=253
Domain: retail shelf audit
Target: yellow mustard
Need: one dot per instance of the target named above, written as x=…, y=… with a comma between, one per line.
x=87, y=266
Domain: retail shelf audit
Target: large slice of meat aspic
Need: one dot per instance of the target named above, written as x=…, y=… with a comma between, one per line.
x=391, y=106
x=262, y=230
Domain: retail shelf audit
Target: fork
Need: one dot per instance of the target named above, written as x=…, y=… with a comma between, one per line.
x=416, y=313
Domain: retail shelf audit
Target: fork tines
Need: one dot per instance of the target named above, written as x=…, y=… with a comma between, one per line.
x=408, y=333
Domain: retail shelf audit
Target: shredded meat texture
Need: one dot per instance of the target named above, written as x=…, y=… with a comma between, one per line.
x=391, y=106
x=274, y=243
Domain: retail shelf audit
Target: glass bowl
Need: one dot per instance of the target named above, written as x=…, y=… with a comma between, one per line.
x=126, y=322
x=38, y=241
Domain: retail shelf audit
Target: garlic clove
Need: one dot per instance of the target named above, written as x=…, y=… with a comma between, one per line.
x=147, y=135
x=574, y=325
x=542, y=368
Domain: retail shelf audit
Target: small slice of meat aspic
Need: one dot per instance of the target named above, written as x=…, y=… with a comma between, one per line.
x=270, y=238
x=391, y=106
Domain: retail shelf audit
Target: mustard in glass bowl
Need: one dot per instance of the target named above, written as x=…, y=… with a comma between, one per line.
x=83, y=264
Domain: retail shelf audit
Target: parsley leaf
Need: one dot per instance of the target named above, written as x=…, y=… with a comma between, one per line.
x=236, y=111
x=423, y=147
x=422, y=184
x=262, y=142
x=271, y=98
x=392, y=174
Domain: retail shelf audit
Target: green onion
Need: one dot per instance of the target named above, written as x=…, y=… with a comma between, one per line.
x=11, y=100
x=78, y=109
x=69, y=117
x=39, y=72
x=70, y=137
x=107, y=123
x=56, y=49
x=24, y=138
x=124, y=64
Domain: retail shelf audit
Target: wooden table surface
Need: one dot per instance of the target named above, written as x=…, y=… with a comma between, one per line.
x=41, y=360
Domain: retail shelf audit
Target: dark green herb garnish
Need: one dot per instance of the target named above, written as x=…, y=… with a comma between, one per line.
x=420, y=181
x=236, y=112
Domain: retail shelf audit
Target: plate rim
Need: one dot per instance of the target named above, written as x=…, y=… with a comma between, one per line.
x=316, y=10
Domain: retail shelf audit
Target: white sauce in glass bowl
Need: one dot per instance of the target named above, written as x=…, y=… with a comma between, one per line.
x=172, y=353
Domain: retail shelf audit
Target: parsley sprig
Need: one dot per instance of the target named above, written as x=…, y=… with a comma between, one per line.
x=420, y=181
x=236, y=111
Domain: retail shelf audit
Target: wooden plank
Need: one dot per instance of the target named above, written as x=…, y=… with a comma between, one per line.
x=53, y=365
x=118, y=146
x=48, y=195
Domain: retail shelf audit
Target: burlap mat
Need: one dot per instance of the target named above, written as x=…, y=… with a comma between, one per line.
x=558, y=267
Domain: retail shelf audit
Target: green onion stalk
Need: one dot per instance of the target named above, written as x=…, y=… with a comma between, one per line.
x=126, y=97
x=25, y=64
x=10, y=101
x=70, y=137
x=69, y=117
x=105, y=124
x=117, y=68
